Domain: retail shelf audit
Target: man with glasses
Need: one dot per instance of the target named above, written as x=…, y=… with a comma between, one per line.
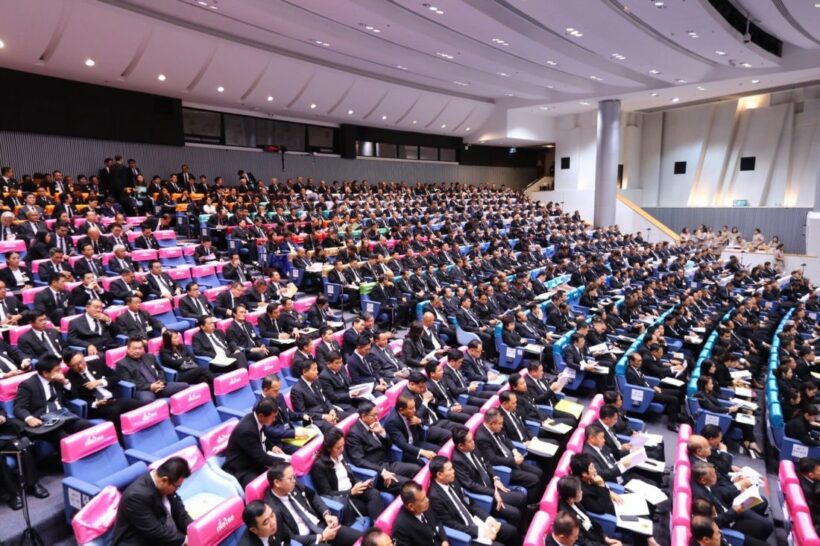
x=210, y=342
x=148, y=377
x=302, y=511
x=150, y=511
x=250, y=452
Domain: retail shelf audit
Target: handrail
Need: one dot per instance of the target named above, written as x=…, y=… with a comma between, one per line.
x=649, y=218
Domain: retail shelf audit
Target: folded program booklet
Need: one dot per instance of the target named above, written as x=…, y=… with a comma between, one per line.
x=570, y=407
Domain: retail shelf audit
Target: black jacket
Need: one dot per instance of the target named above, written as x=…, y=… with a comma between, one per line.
x=408, y=530
x=141, y=516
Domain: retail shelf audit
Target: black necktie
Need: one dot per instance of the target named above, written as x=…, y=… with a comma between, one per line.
x=312, y=527
x=53, y=403
x=485, y=478
x=459, y=504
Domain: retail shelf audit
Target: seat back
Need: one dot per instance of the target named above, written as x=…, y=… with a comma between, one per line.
x=92, y=454
x=166, y=237
x=257, y=371
x=214, y=442
x=257, y=489
x=233, y=390
x=562, y=468
x=218, y=524
x=538, y=529
x=549, y=500
x=97, y=517
x=302, y=305
x=787, y=474
x=194, y=409
x=303, y=459
x=112, y=356
x=388, y=517
x=205, y=275
x=148, y=427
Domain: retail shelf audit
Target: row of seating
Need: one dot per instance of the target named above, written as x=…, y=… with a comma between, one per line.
x=796, y=512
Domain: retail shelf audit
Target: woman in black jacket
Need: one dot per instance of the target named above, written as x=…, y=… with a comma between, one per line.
x=178, y=357
x=15, y=276
x=570, y=496
x=359, y=498
x=709, y=401
x=40, y=247
x=413, y=351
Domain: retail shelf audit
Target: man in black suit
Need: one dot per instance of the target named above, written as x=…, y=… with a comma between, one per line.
x=118, y=177
x=670, y=398
x=382, y=359
x=476, y=368
x=404, y=428
x=92, y=330
x=88, y=263
x=416, y=524
x=495, y=447
x=88, y=290
x=55, y=264
x=160, y=283
x=808, y=474
x=127, y=286
x=430, y=337
x=249, y=452
x=10, y=313
x=319, y=313
x=262, y=527
x=325, y=346
x=121, y=261
x=458, y=383
x=210, y=342
x=351, y=336
x=447, y=501
x=348, y=279
x=11, y=432
x=368, y=446
x=469, y=322
x=359, y=367
x=565, y=530
x=445, y=400
x=96, y=384
x=205, y=253
x=307, y=397
x=39, y=340
x=42, y=397
x=606, y=462
x=478, y=476
x=150, y=511
x=335, y=383
x=439, y=429
x=141, y=369
x=303, y=512
x=800, y=425
x=13, y=361
x=146, y=241
x=135, y=322
x=99, y=244
x=235, y=270
x=193, y=304
x=227, y=300
x=242, y=334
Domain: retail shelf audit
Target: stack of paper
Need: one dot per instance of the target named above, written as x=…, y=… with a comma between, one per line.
x=634, y=504
x=534, y=348
x=570, y=407
x=744, y=404
x=599, y=349
x=362, y=390
x=540, y=447
x=222, y=361
x=748, y=499
x=652, y=494
x=632, y=460
x=641, y=526
x=672, y=382
x=557, y=428
x=744, y=392
x=745, y=419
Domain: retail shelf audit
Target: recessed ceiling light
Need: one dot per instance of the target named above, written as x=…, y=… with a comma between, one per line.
x=220, y=89
x=2, y=44
x=746, y=65
x=467, y=129
x=504, y=74
x=384, y=118
x=659, y=4
x=462, y=84
x=270, y=98
x=654, y=94
x=701, y=88
x=675, y=99
x=654, y=72
x=313, y=106
x=434, y=9
x=618, y=57
x=445, y=56
x=817, y=4
x=414, y=122
x=213, y=7
x=552, y=63
x=89, y=62
x=509, y=95
x=545, y=108
x=755, y=81
x=321, y=43
x=350, y=112
x=575, y=33
x=596, y=78
x=719, y=52
x=443, y=125
x=692, y=34
x=161, y=77
x=499, y=41
x=550, y=87
x=584, y=103
x=401, y=67
x=201, y=3
x=680, y=80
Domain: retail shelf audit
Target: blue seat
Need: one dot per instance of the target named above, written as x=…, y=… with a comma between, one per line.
x=149, y=434
x=233, y=393
x=194, y=413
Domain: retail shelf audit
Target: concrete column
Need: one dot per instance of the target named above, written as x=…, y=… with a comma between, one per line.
x=606, y=167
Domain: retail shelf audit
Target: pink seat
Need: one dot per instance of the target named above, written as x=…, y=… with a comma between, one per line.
x=144, y=417
x=257, y=489
x=785, y=473
x=680, y=535
x=212, y=293
x=18, y=245
x=447, y=449
x=803, y=529
x=180, y=274
x=218, y=524
x=202, y=270
x=303, y=304
x=190, y=398
x=337, y=336
x=490, y=404
x=303, y=459
x=16, y=331
x=142, y=255
x=223, y=325
x=8, y=386
x=88, y=441
x=29, y=293
x=396, y=345
x=230, y=382
x=112, y=356
x=214, y=442
x=64, y=322
x=267, y=366
x=681, y=480
x=549, y=500
x=681, y=508
x=588, y=418
x=345, y=424
x=98, y=516
x=422, y=477
x=156, y=307
x=681, y=455
x=114, y=311
x=286, y=358
x=474, y=422
x=155, y=345
x=388, y=517
x=170, y=252
x=165, y=234
x=383, y=406
x=597, y=402
x=562, y=468
x=539, y=527
x=795, y=498
x=684, y=432
x=393, y=392
x=188, y=335
x=576, y=441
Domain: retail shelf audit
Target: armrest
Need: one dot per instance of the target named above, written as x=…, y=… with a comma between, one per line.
x=334, y=506
x=616, y=488
x=136, y=455
x=78, y=406
x=203, y=361
x=226, y=413
x=653, y=381
x=504, y=473
x=457, y=538
x=462, y=399
x=636, y=424
x=363, y=474
x=188, y=431
x=127, y=389
x=485, y=502
x=170, y=374
x=74, y=484
x=608, y=523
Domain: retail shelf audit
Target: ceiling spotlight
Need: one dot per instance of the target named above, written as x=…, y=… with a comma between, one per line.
x=746, y=65
x=550, y=87
x=755, y=81
x=654, y=72
x=467, y=129
x=575, y=33
x=201, y=3
x=680, y=80
x=552, y=63
x=462, y=84
x=584, y=103
x=504, y=74
x=270, y=98
x=350, y=112
x=313, y=106
x=2, y=44
x=509, y=95
x=618, y=57
x=654, y=94
x=213, y=7
x=596, y=78
x=161, y=77
x=692, y=34
x=545, y=108
x=384, y=118
x=445, y=56
x=415, y=121
x=443, y=125
x=434, y=9
x=401, y=67
x=220, y=89
x=321, y=43
x=675, y=99
x=90, y=62
x=659, y=4
x=701, y=88
x=499, y=41
x=719, y=52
